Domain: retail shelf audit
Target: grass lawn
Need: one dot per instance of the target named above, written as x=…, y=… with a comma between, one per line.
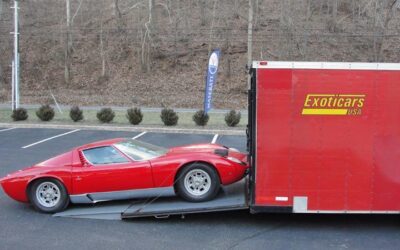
x=150, y=119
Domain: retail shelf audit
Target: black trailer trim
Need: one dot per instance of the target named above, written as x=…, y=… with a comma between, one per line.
x=251, y=134
x=270, y=209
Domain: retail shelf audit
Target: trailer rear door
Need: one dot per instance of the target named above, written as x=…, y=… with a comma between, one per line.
x=325, y=137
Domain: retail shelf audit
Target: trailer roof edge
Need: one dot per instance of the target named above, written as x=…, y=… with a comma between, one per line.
x=325, y=65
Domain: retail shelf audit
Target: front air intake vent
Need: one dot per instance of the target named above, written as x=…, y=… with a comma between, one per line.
x=82, y=158
x=222, y=152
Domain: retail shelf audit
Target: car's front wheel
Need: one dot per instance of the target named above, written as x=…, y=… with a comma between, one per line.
x=48, y=196
x=198, y=182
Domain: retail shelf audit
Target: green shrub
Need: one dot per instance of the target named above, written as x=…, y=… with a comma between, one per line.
x=45, y=113
x=232, y=118
x=76, y=114
x=19, y=114
x=134, y=115
x=200, y=118
x=105, y=115
x=169, y=117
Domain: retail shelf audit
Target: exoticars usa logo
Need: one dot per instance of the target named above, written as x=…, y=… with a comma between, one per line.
x=333, y=104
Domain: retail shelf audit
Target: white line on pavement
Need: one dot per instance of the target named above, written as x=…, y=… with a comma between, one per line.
x=50, y=138
x=6, y=129
x=214, y=140
x=139, y=135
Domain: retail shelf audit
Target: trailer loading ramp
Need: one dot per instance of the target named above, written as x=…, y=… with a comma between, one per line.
x=231, y=197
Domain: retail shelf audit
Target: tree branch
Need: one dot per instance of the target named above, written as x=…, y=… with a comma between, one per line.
x=76, y=12
x=167, y=9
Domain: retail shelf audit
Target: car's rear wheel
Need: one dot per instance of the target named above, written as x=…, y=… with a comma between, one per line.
x=198, y=182
x=48, y=196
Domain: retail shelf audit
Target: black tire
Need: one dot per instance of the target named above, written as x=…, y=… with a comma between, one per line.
x=187, y=173
x=60, y=205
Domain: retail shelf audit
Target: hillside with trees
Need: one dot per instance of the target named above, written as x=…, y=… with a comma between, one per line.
x=153, y=53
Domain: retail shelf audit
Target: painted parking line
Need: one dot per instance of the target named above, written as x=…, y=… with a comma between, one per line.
x=7, y=129
x=139, y=135
x=50, y=138
x=215, y=138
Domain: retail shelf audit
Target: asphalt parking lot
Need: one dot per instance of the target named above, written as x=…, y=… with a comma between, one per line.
x=23, y=228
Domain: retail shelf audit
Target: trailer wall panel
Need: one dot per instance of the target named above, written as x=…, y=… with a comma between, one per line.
x=331, y=135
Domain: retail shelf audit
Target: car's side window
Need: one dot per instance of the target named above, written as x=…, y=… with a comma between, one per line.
x=104, y=155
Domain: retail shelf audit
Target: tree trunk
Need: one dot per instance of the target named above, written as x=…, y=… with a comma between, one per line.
x=203, y=18
x=256, y=9
x=147, y=38
x=386, y=12
x=1, y=8
x=153, y=19
x=68, y=46
x=227, y=34
x=212, y=26
x=1, y=69
x=306, y=34
x=333, y=18
x=236, y=6
x=118, y=15
x=102, y=53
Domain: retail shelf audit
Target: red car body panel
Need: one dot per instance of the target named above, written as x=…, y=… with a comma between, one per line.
x=166, y=167
x=59, y=167
x=79, y=177
x=306, y=148
x=111, y=177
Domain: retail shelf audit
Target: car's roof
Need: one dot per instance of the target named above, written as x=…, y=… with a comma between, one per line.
x=101, y=143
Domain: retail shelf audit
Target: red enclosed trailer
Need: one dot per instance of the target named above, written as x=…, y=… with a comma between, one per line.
x=324, y=137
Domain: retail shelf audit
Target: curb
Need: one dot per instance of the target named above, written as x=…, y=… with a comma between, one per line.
x=124, y=128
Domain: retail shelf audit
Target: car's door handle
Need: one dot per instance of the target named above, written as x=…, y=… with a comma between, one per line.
x=78, y=178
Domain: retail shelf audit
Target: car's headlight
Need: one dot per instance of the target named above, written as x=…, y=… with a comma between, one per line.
x=234, y=160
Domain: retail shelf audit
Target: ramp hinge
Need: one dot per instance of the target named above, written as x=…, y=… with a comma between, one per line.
x=161, y=216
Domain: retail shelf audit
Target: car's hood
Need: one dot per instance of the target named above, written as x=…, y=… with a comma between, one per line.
x=195, y=148
x=208, y=148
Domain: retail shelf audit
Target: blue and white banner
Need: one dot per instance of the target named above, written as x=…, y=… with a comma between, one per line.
x=211, y=78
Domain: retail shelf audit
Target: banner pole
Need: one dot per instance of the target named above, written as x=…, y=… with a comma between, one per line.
x=12, y=86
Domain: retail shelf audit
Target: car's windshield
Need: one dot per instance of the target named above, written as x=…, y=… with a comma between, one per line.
x=140, y=151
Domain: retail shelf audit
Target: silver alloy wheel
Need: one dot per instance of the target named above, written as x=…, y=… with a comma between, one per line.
x=197, y=182
x=48, y=194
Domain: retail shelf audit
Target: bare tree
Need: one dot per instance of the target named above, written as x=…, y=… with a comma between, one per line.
x=118, y=14
x=333, y=21
x=147, y=38
x=69, y=42
x=285, y=29
x=68, y=45
x=256, y=12
x=236, y=7
x=1, y=69
x=203, y=17
x=102, y=52
x=383, y=14
x=1, y=8
x=228, y=46
x=212, y=25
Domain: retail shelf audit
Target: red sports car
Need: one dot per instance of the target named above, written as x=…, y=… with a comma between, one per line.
x=126, y=169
